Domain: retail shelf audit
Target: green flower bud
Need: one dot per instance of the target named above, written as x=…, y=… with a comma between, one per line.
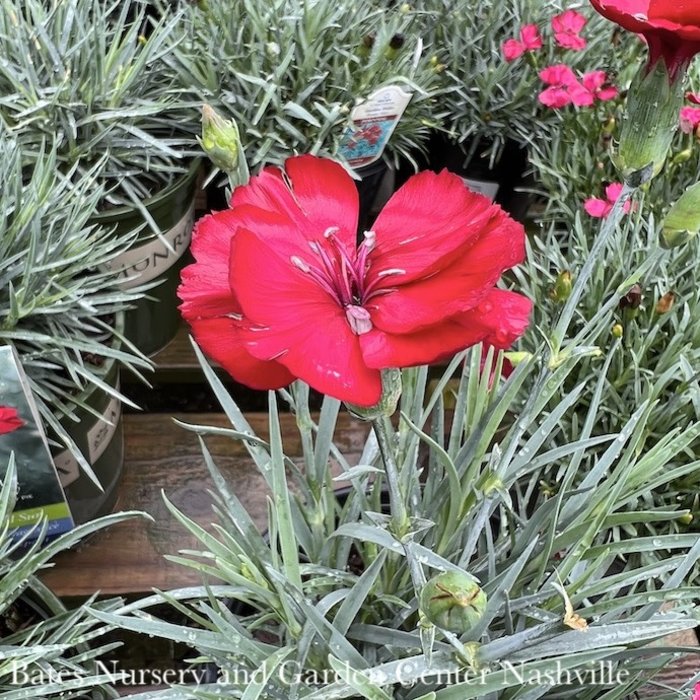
x=651, y=119
x=683, y=219
x=453, y=601
x=618, y=331
x=391, y=393
x=562, y=287
x=682, y=156
x=220, y=139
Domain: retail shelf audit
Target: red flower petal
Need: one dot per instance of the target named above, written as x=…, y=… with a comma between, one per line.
x=295, y=322
x=671, y=27
x=9, y=420
x=500, y=319
x=315, y=193
x=461, y=285
x=530, y=34
x=205, y=292
x=220, y=339
x=428, y=219
x=326, y=194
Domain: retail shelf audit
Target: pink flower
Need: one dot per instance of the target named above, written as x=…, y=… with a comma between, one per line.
x=596, y=82
x=530, y=40
x=280, y=290
x=567, y=27
x=693, y=97
x=696, y=692
x=564, y=88
x=690, y=119
x=600, y=208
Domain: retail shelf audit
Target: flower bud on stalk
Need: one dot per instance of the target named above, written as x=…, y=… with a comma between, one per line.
x=220, y=140
x=395, y=45
x=653, y=103
x=562, y=287
x=671, y=29
x=453, y=601
x=633, y=298
x=682, y=222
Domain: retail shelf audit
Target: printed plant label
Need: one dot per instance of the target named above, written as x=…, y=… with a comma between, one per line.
x=372, y=122
x=98, y=438
x=144, y=263
x=39, y=495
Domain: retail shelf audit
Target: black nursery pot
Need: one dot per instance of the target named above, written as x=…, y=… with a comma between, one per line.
x=502, y=183
x=368, y=185
x=155, y=319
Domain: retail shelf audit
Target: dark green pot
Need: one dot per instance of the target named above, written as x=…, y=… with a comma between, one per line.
x=154, y=321
x=101, y=443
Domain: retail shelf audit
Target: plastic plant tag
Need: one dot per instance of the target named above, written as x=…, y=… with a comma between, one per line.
x=40, y=495
x=372, y=123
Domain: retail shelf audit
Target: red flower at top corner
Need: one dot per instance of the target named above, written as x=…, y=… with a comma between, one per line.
x=671, y=27
x=280, y=290
x=9, y=420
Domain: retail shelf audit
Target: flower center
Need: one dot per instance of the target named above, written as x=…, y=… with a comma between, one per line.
x=343, y=274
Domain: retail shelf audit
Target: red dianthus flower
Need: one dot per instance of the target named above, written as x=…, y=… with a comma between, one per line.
x=279, y=289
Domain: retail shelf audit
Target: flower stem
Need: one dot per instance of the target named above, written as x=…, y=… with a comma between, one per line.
x=400, y=522
x=608, y=228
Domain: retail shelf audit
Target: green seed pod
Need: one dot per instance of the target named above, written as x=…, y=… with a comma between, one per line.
x=453, y=601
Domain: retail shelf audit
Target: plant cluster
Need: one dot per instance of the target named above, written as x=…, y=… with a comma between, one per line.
x=48, y=650
x=516, y=69
x=59, y=306
x=510, y=546
x=92, y=77
x=290, y=71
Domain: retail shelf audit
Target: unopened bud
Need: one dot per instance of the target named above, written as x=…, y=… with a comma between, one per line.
x=686, y=518
x=682, y=157
x=453, y=601
x=562, y=287
x=683, y=219
x=405, y=8
x=665, y=304
x=220, y=139
x=365, y=48
x=395, y=45
x=609, y=125
x=618, y=331
x=651, y=120
x=633, y=298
